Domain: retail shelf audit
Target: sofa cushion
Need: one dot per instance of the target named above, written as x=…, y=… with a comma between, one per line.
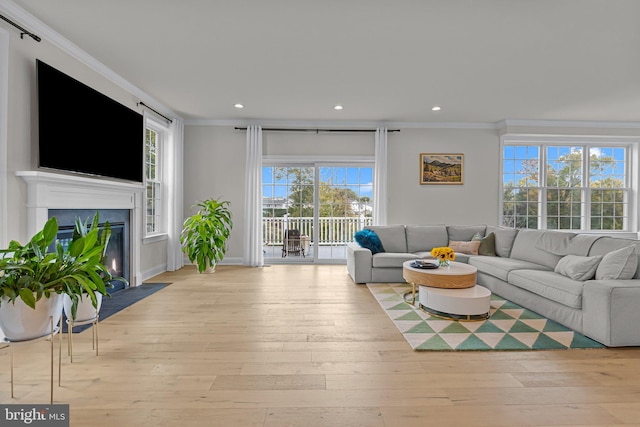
x=501, y=267
x=606, y=244
x=464, y=233
x=504, y=239
x=578, y=267
x=487, y=244
x=393, y=237
x=469, y=248
x=565, y=243
x=620, y=264
x=369, y=239
x=555, y=242
x=391, y=259
x=423, y=238
x=550, y=285
x=524, y=248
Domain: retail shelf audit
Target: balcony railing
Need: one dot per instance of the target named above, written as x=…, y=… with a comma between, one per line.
x=331, y=230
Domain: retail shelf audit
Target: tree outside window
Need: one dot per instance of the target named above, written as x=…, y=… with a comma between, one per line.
x=582, y=187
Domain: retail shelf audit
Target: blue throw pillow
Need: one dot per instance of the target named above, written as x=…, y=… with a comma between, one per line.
x=370, y=240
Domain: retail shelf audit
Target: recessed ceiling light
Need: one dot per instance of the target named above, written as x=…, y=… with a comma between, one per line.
x=436, y=108
x=338, y=107
x=239, y=106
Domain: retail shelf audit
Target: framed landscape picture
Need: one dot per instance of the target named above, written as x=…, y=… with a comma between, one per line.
x=441, y=168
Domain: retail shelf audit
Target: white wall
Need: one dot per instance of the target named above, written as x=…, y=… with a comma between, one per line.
x=318, y=144
x=22, y=129
x=23, y=112
x=474, y=202
x=215, y=163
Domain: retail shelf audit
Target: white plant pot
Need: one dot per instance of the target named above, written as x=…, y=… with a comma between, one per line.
x=19, y=322
x=85, y=311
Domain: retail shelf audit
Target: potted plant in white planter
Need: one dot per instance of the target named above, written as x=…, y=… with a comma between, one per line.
x=33, y=279
x=204, y=234
x=79, y=306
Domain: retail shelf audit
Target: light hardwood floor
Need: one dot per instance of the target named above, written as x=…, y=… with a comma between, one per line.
x=301, y=345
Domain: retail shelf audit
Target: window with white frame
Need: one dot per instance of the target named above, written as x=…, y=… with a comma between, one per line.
x=155, y=135
x=566, y=186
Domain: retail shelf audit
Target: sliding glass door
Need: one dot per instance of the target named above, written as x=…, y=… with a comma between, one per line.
x=311, y=211
x=288, y=194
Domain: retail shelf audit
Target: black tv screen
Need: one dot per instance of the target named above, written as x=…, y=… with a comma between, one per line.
x=82, y=130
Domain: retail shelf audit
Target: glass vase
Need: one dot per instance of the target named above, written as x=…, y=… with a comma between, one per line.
x=443, y=262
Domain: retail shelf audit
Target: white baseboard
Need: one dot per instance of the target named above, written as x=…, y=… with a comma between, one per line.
x=152, y=272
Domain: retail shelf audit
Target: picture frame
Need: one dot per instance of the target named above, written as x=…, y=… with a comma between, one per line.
x=441, y=168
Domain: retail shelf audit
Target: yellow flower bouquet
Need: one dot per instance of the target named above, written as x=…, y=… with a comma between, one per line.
x=444, y=255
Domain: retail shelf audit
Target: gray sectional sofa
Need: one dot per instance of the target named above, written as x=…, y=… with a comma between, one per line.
x=589, y=283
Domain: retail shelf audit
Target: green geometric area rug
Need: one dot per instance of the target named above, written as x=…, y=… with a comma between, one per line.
x=509, y=326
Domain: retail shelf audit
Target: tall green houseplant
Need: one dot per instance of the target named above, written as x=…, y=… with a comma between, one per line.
x=204, y=235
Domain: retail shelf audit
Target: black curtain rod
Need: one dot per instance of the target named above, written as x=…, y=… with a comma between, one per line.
x=317, y=130
x=23, y=31
x=157, y=112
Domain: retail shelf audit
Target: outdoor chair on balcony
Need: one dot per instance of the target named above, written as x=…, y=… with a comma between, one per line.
x=292, y=243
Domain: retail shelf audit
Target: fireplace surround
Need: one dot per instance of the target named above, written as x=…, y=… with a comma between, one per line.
x=53, y=191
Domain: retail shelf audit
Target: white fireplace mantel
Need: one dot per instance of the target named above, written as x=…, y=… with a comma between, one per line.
x=47, y=190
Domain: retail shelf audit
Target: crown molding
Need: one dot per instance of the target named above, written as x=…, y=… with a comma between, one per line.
x=340, y=125
x=530, y=137
x=590, y=124
x=16, y=13
x=503, y=124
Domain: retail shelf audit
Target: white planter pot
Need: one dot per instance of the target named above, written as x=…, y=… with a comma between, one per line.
x=85, y=310
x=19, y=322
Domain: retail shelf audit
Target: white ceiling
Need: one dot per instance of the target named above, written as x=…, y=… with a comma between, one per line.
x=383, y=60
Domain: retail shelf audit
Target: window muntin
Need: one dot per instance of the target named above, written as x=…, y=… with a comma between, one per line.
x=153, y=183
x=580, y=187
x=608, y=192
x=521, y=188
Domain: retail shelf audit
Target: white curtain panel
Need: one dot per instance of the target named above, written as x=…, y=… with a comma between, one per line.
x=380, y=178
x=175, y=258
x=252, y=252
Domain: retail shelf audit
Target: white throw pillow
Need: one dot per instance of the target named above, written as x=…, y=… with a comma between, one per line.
x=618, y=265
x=578, y=267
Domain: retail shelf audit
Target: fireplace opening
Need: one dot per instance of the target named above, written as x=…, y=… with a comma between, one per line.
x=117, y=253
x=114, y=256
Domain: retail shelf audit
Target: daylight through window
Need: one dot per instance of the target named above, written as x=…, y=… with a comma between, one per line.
x=565, y=187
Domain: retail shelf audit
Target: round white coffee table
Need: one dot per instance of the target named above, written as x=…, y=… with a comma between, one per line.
x=457, y=304
x=448, y=292
x=457, y=275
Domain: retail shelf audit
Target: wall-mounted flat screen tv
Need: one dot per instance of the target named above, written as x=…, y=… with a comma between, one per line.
x=82, y=130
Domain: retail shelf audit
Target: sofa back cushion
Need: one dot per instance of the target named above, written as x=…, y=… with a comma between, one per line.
x=525, y=249
x=464, y=233
x=423, y=238
x=505, y=237
x=606, y=244
x=393, y=237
